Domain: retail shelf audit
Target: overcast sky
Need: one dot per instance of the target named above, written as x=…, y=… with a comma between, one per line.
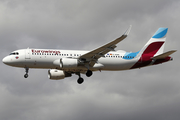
x=141, y=94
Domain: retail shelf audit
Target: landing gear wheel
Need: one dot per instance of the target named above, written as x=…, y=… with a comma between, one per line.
x=26, y=70
x=26, y=75
x=80, y=80
x=89, y=73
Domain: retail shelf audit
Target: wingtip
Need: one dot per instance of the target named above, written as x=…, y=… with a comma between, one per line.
x=174, y=50
x=128, y=30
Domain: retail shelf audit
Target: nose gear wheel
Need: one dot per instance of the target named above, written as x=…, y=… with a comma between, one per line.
x=26, y=70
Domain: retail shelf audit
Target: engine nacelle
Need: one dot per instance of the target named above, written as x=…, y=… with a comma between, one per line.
x=68, y=63
x=55, y=74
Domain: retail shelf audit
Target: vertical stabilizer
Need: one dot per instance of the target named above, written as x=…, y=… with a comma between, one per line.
x=155, y=46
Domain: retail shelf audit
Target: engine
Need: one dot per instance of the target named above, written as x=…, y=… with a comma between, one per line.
x=66, y=63
x=55, y=74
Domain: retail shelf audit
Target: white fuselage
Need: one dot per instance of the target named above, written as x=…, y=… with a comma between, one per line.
x=48, y=59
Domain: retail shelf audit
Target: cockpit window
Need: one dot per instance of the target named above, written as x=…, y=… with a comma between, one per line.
x=14, y=53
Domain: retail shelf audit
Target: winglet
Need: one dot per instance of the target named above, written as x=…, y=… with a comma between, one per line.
x=128, y=30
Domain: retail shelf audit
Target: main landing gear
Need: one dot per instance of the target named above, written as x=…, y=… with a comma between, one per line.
x=26, y=70
x=89, y=73
x=80, y=79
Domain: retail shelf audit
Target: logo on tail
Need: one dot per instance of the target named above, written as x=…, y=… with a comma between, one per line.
x=154, y=47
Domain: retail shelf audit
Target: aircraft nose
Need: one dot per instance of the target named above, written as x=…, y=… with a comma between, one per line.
x=5, y=60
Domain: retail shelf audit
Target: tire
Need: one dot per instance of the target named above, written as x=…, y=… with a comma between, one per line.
x=26, y=75
x=80, y=80
x=89, y=73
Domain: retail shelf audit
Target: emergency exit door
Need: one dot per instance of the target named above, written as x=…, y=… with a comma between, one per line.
x=27, y=54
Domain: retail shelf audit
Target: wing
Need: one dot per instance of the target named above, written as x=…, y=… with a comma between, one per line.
x=92, y=56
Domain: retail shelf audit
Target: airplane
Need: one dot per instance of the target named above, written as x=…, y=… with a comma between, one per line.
x=64, y=63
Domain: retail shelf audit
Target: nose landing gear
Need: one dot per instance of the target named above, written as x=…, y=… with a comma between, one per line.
x=26, y=70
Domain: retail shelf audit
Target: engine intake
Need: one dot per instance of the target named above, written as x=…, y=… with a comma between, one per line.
x=55, y=74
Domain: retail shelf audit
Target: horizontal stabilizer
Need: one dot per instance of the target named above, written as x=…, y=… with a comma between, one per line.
x=164, y=55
